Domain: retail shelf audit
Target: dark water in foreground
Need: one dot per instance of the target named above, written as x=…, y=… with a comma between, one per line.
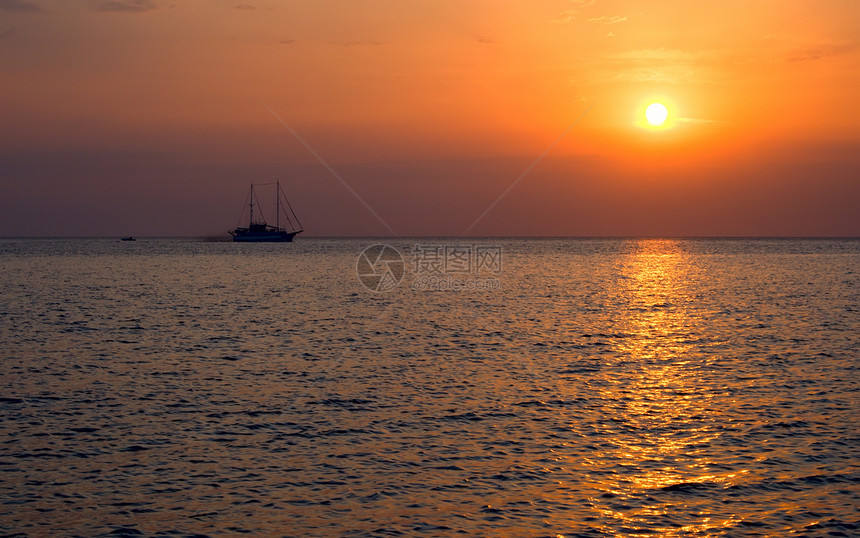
x=603, y=387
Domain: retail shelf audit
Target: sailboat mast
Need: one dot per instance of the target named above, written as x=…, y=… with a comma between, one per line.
x=278, y=205
x=251, y=214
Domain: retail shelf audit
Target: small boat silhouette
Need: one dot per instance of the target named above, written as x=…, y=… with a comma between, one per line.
x=259, y=230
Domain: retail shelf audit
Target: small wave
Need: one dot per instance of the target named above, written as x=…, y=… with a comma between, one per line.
x=343, y=431
x=689, y=487
x=531, y=403
x=134, y=448
x=471, y=417
x=47, y=455
x=125, y=531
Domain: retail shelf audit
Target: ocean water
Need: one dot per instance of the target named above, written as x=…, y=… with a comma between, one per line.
x=569, y=387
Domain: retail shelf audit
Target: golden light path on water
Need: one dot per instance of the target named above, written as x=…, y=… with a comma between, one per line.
x=657, y=395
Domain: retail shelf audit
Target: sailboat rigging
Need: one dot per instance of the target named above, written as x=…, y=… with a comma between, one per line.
x=258, y=230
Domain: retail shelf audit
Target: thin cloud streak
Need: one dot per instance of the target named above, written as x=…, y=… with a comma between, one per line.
x=607, y=20
x=660, y=65
x=20, y=6
x=357, y=43
x=570, y=14
x=822, y=52
x=698, y=120
x=127, y=6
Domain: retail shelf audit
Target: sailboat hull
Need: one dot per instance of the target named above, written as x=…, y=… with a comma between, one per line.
x=264, y=237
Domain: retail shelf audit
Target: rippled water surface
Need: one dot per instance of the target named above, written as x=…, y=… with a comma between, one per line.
x=633, y=387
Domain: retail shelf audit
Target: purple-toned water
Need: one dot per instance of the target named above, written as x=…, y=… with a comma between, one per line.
x=604, y=387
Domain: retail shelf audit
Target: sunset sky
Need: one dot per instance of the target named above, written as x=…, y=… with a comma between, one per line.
x=151, y=117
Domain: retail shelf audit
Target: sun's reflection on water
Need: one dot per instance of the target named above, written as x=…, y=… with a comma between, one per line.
x=662, y=421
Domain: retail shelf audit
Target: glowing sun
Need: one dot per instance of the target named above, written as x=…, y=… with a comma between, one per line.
x=656, y=114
